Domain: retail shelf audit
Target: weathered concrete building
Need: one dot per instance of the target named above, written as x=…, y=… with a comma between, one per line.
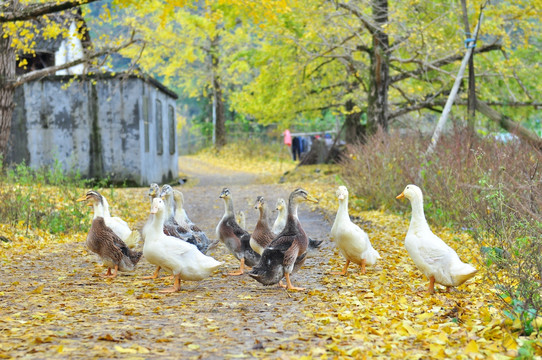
x=122, y=127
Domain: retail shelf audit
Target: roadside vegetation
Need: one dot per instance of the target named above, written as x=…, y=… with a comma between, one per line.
x=484, y=202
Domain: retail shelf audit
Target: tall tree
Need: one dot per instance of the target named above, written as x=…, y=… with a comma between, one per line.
x=402, y=56
x=17, y=35
x=201, y=48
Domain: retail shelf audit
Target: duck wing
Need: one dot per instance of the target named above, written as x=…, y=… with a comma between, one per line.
x=280, y=256
x=432, y=249
x=236, y=229
x=103, y=241
x=290, y=247
x=134, y=256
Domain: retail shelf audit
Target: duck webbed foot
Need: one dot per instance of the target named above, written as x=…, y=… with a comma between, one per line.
x=110, y=275
x=107, y=274
x=241, y=270
x=345, y=269
x=153, y=276
x=176, y=285
x=289, y=285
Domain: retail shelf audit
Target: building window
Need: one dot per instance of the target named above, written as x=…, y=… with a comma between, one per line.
x=146, y=122
x=159, y=132
x=172, y=132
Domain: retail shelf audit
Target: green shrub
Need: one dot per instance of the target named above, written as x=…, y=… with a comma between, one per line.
x=41, y=198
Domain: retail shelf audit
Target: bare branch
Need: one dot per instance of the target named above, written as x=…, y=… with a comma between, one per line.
x=432, y=102
x=510, y=125
x=323, y=63
x=330, y=87
x=320, y=108
x=439, y=63
x=533, y=104
x=372, y=28
x=33, y=75
x=33, y=11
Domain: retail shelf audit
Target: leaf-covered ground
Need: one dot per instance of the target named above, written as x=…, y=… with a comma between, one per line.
x=55, y=305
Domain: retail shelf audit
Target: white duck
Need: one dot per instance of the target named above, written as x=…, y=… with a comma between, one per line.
x=182, y=259
x=119, y=226
x=180, y=213
x=434, y=258
x=351, y=240
x=280, y=221
x=241, y=219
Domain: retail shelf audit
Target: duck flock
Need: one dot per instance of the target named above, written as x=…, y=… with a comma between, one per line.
x=270, y=254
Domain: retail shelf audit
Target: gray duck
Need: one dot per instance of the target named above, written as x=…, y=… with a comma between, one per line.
x=280, y=222
x=234, y=237
x=171, y=227
x=120, y=227
x=288, y=251
x=184, y=221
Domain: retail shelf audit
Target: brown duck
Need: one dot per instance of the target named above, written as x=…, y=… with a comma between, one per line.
x=262, y=234
x=113, y=251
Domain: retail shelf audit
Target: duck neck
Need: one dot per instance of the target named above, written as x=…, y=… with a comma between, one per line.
x=170, y=207
x=292, y=208
x=158, y=221
x=228, y=207
x=342, y=212
x=99, y=210
x=263, y=215
x=417, y=219
x=178, y=207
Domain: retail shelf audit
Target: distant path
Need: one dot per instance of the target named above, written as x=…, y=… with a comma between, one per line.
x=208, y=175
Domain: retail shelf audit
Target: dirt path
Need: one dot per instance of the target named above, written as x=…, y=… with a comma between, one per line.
x=54, y=305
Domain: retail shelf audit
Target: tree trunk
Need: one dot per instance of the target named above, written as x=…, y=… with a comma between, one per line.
x=7, y=74
x=220, y=128
x=377, y=110
x=354, y=129
x=471, y=103
x=220, y=123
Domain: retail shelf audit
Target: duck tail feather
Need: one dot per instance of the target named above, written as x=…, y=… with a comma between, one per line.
x=132, y=241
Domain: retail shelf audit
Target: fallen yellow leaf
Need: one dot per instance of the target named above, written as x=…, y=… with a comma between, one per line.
x=472, y=348
x=125, y=350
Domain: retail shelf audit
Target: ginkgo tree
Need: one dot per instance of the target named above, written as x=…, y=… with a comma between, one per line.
x=185, y=47
x=203, y=48
x=392, y=58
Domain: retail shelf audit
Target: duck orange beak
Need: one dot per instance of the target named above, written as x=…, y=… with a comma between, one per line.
x=82, y=198
x=154, y=209
x=312, y=199
x=400, y=196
